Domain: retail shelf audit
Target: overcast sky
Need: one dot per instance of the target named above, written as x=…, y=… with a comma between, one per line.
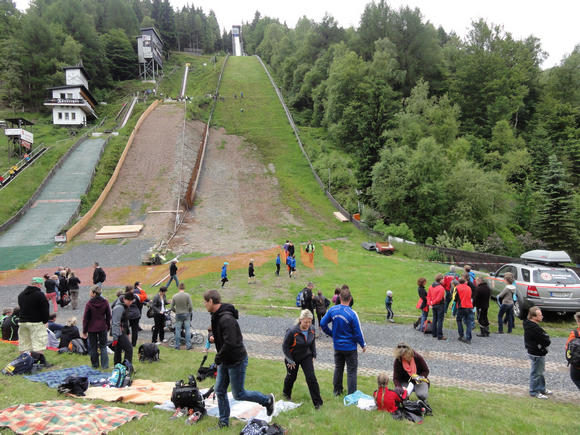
x=554, y=22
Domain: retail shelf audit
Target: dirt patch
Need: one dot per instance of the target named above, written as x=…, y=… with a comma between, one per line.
x=238, y=206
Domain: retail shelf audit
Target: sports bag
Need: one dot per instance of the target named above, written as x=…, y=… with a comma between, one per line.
x=76, y=385
x=188, y=396
x=148, y=352
x=22, y=364
x=258, y=427
x=573, y=350
x=121, y=376
x=428, y=327
x=78, y=345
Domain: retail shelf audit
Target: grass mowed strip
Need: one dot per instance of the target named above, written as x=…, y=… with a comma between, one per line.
x=455, y=410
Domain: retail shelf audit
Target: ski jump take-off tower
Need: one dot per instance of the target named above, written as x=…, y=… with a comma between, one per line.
x=237, y=45
x=150, y=53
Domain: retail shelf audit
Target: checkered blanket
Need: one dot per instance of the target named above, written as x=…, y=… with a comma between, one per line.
x=65, y=416
x=54, y=378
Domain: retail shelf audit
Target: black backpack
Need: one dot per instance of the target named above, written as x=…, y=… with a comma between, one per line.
x=573, y=350
x=23, y=364
x=76, y=385
x=258, y=427
x=148, y=352
x=188, y=396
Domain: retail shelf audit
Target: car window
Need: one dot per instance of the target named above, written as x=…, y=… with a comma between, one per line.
x=502, y=271
x=526, y=275
x=555, y=276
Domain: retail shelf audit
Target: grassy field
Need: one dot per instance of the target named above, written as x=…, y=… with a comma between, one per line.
x=455, y=410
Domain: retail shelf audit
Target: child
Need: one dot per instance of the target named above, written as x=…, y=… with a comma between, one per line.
x=278, y=265
x=225, y=273
x=10, y=325
x=292, y=266
x=388, y=400
x=251, y=275
x=389, y=306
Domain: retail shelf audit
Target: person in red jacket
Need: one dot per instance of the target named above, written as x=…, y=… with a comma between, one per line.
x=436, y=300
x=464, y=311
x=385, y=399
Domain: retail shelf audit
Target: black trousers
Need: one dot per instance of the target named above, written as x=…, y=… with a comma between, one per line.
x=482, y=317
x=277, y=269
x=123, y=345
x=134, y=325
x=159, y=328
x=308, y=369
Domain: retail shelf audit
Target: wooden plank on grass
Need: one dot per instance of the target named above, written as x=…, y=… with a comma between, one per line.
x=340, y=216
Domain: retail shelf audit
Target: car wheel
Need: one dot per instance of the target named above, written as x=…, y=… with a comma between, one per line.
x=388, y=252
x=519, y=311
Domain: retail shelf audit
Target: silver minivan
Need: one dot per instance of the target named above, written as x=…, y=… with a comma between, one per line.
x=541, y=281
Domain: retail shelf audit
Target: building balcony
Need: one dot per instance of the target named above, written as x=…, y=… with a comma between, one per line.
x=79, y=102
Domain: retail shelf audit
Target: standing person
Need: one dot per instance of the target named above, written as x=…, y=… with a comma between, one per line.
x=51, y=293
x=134, y=315
x=464, y=311
x=225, y=273
x=346, y=333
x=470, y=273
x=63, y=288
x=506, y=301
x=181, y=305
x=33, y=318
x=321, y=305
x=172, y=274
x=299, y=347
x=482, y=304
x=285, y=247
x=251, y=274
x=410, y=368
x=536, y=341
x=336, y=296
x=292, y=260
x=231, y=358
x=278, y=262
x=158, y=305
x=389, y=306
x=448, y=278
x=99, y=275
x=96, y=324
x=574, y=335
x=291, y=249
x=73, y=287
x=436, y=300
x=422, y=303
x=310, y=251
x=120, y=328
x=307, y=303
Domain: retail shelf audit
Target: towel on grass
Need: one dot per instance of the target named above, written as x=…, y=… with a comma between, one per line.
x=141, y=391
x=56, y=377
x=65, y=416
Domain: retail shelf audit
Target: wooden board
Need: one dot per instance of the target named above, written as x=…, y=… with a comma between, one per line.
x=340, y=216
x=118, y=231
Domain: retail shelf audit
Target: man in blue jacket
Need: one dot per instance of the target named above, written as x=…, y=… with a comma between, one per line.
x=346, y=333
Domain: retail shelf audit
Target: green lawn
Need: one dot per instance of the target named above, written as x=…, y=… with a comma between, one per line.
x=455, y=410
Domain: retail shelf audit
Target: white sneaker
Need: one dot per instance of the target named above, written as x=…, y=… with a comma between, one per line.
x=541, y=396
x=157, y=343
x=165, y=340
x=548, y=393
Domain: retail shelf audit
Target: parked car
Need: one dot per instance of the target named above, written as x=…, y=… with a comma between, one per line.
x=541, y=281
x=384, y=248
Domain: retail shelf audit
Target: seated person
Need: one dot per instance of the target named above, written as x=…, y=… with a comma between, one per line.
x=388, y=400
x=56, y=328
x=69, y=333
x=410, y=368
x=10, y=325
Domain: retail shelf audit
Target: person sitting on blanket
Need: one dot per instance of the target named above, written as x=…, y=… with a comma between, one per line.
x=389, y=400
x=410, y=368
x=69, y=333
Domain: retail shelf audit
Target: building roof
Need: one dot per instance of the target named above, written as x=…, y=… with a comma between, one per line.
x=154, y=31
x=19, y=121
x=73, y=87
x=77, y=67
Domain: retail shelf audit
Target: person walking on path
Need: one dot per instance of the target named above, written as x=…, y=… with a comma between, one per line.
x=34, y=313
x=231, y=358
x=73, y=287
x=182, y=306
x=310, y=248
x=506, y=300
x=172, y=274
x=278, y=262
x=389, y=306
x=574, y=335
x=299, y=347
x=422, y=302
x=346, y=333
x=51, y=291
x=536, y=341
x=225, y=273
x=465, y=310
x=99, y=275
x=481, y=302
x=96, y=324
x=120, y=328
x=159, y=305
x=251, y=274
x=436, y=300
x=321, y=305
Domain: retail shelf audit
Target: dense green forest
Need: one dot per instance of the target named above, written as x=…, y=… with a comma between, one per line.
x=462, y=142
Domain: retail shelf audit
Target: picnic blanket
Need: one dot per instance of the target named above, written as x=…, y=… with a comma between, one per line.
x=65, y=416
x=55, y=377
x=141, y=391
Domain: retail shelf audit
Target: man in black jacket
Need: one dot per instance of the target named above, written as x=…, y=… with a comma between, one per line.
x=537, y=342
x=99, y=275
x=33, y=318
x=231, y=358
x=481, y=302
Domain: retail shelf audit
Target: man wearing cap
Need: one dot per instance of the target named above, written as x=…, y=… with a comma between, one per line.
x=33, y=317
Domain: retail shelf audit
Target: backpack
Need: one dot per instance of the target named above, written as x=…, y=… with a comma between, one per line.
x=188, y=396
x=573, y=350
x=78, y=345
x=22, y=364
x=300, y=299
x=148, y=352
x=64, y=300
x=121, y=376
x=428, y=327
x=257, y=427
x=76, y=385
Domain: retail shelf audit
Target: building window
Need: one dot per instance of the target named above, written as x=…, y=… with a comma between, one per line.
x=69, y=96
x=73, y=116
x=59, y=115
x=66, y=116
x=62, y=96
